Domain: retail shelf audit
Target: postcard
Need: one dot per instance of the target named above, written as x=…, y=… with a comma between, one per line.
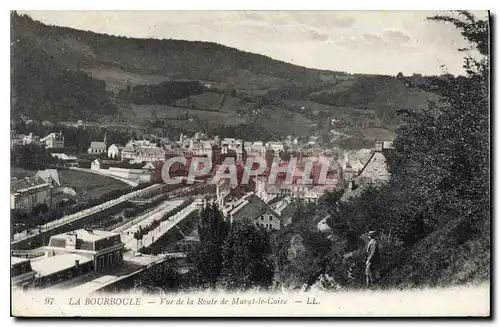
x=250, y=164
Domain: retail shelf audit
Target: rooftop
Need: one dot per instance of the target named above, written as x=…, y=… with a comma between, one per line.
x=250, y=206
x=93, y=235
x=49, y=175
x=51, y=265
x=153, y=150
x=63, y=156
x=24, y=184
x=98, y=145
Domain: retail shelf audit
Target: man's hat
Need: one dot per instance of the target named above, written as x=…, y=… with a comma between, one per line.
x=372, y=233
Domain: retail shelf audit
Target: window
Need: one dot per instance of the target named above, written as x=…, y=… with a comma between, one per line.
x=270, y=217
x=101, y=262
x=262, y=217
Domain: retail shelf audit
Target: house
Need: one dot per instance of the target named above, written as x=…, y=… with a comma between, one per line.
x=49, y=176
x=97, y=148
x=26, y=193
x=376, y=166
x=115, y=151
x=148, y=154
x=31, y=139
x=257, y=149
x=253, y=208
x=153, y=169
x=285, y=208
x=68, y=161
x=78, y=252
x=128, y=151
x=224, y=196
x=54, y=141
x=231, y=145
x=204, y=149
x=277, y=147
x=142, y=151
x=374, y=171
x=16, y=139
x=102, y=164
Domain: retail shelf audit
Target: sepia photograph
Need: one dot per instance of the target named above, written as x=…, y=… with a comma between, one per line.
x=250, y=163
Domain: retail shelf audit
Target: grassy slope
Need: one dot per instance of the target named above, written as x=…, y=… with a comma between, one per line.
x=446, y=257
x=86, y=185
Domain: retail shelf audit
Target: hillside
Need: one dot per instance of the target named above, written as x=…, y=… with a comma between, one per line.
x=59, y=72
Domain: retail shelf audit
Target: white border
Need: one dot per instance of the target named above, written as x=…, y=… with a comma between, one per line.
x=200, y=5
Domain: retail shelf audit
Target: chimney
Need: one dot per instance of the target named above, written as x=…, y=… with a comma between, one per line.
x=378, y=146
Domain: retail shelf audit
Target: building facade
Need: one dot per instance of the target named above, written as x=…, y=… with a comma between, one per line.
x=253, y=208
x=26, y=193
x=97, y=148
x=54, y=141
x=31, y=139
x=103, y=249
x=115, y=151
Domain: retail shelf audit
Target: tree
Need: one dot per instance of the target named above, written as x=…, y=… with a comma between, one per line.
x=39, y=208
x=245, y=253
x=164, y=277
x=212, y=230
x=30, y=156
x=442, y=154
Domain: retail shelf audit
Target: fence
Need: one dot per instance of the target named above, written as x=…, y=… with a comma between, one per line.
x=141, y=218
x=27, y=253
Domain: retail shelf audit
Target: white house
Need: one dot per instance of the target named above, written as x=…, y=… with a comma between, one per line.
x=115, y=151
x=204, y=148
x=54, y=141
x=31, y=139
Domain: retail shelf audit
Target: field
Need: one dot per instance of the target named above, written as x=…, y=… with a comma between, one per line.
x=86, y=185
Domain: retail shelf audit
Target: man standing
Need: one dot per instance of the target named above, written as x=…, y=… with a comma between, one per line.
x=373, y=260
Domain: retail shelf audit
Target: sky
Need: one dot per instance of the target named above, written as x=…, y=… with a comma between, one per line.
x=374, y=42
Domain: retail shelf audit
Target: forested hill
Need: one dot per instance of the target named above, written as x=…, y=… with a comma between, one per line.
x=176, y=59
x=59, y=72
